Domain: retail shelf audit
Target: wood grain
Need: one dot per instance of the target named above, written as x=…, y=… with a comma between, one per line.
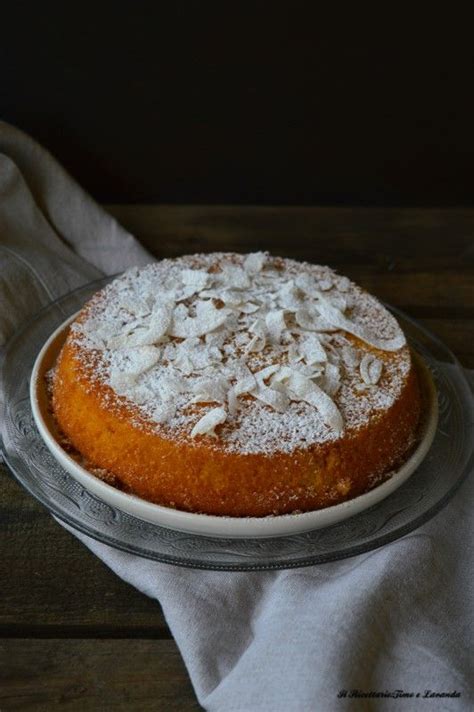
x=342, y=235
x=51, y=582
x=74, y=634
x=84, y=675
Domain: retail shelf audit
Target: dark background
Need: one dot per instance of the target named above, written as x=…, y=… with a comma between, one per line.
x=261, y=102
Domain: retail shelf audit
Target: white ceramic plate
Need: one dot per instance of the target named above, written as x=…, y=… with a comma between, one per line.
x=209, y=525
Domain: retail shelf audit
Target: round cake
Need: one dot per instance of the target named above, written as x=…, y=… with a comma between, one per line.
x=240, y=385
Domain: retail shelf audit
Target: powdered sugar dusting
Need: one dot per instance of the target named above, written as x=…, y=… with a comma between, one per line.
x=255, y=353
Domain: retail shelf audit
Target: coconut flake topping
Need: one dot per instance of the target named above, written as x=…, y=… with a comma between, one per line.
x=260, y=346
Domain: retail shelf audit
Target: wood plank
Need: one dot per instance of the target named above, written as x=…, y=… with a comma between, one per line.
x=50, y=580
x=384, y=238
x=128, y=675
x=407, y=257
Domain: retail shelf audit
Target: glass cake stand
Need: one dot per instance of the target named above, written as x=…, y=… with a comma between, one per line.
x=426, y=492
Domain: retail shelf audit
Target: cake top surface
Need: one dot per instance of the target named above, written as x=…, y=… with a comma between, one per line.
x=255, y=353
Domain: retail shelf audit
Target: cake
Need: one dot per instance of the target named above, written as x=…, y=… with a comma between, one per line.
x=238, y=385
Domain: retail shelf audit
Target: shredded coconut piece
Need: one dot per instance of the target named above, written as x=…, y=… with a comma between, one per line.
x=332, y=379
x=254, y=262
x=325, y=285
x=235, y=277
x=210, y=390
x=335, y=317
x=258, y=327
x=304, y=389
x=312, y=350
x=350, y=356
x=140, y=359
x=275, y=323
x=232, y=401
x=306, y=283
x=370, y=369
x=246, y=384
x=275, y=399
x=207, y=319
x=194, y=281
x=258, y=340
x=152, y=333
x=343, y=284
x=310, y=320
x=207, y=424
x=256, y=343
x=288, y=296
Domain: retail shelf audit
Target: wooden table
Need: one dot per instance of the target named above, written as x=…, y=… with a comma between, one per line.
x=76, y=637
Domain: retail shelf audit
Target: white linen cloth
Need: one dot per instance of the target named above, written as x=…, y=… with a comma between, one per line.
x=398, y=618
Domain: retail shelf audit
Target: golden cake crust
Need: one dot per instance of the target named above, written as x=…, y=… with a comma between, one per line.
x=230, y=475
